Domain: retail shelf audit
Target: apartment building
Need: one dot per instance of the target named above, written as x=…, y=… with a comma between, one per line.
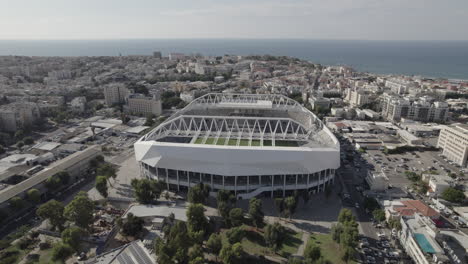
x=357, y=98
x=319, y=102
x=144, y=105
x=115, y=94
x=418, y=238
x=424, y=109
x=400, y=86
x=18, y=115
x=454, y=142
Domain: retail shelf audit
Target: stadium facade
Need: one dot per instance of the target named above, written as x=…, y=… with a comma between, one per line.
x=250, y=144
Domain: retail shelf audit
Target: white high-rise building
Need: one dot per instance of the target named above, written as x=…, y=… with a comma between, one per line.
x=357, y=98
x=454, y=142
x=115, y=94
x=18, y=115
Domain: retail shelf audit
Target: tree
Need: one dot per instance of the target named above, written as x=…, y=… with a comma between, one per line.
x=345, y=216
x=199, y=193
x=146, y=190
x=336, y=231
x=348, y=254
x=255, y=211
x=72, y=237
x=290, y=204
x=453, y=195
x=198, y=260
x=28, y=140
x=2, y=150
x=232, y=254
x=312, y=252
x=225, y=201
x=149, y=120
x=20, y=144
x=379, y=215
x=214, y=244
x=279, y=203
x=64, y=177
x=235, y=234
x=175, y=248
x=236, y=216
x=101, y=185
x=196, y=221
x=53, y=183
x=34, y=196
x=19, y=134
x=223, y=210
x=80, y=210
x=370, y=204
x=17, y=203
x=61, y=251
x=107, y=170
x=132, y=226
x=274, y=235
x=52, y=211
x=195, y=252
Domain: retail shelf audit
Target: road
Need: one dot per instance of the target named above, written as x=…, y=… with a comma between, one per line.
x=29, y=216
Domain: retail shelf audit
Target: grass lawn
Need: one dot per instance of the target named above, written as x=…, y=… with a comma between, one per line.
x=209, y=141
x=291, y=243
x=46, y=257
x=16, y=253
x=255, y=143
x=284, y=143
x=230, y=142
x=254, y=243
x=330, y=249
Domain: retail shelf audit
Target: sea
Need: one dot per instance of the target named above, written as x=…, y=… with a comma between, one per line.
x=432, y=59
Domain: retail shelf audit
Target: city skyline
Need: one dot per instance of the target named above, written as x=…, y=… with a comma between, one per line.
x=294, y=19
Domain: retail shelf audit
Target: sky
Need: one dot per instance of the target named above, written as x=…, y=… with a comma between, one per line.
x=294, y=19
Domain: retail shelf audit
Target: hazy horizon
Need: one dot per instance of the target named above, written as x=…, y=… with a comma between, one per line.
x=421, y=20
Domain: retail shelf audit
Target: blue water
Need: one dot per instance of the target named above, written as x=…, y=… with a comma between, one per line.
x=447, y=59
x=423, y=243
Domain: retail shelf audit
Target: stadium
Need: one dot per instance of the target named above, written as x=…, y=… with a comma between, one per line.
x=250, y=144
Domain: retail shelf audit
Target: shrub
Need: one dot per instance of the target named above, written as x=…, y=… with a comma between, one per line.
x=235, y=235
x=44, y=245
x=61, y=251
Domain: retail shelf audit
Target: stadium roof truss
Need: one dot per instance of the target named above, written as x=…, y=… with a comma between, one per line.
x=217, y=129
x=227, y=127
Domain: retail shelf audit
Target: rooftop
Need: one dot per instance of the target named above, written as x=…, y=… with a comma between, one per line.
x=251, y=120
x=159, y=211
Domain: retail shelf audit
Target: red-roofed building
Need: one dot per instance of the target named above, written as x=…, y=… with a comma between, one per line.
x=408, y=208
x=419, y=207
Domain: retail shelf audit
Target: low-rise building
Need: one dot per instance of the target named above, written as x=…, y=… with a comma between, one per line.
x=78, y=104
x=377, y=181
x=144, y=105
x=409, y=138
x=439, y=183
x=76, y=165
x=319, y=103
